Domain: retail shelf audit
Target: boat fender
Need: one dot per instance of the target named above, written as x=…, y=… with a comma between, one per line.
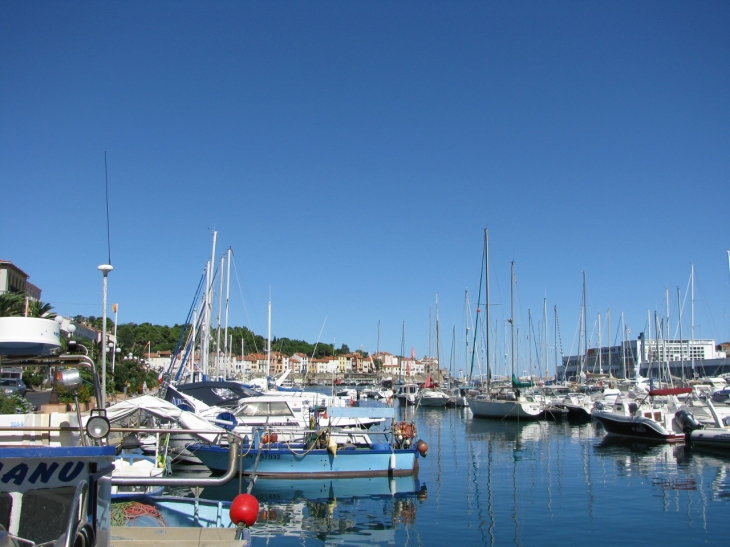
x=391, y=463
x=422, y=448
x=270, y=438
x=332, y=447
x=244, y=510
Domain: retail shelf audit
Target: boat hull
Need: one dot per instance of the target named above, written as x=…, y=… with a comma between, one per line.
x=578, y=413
x=281, y=462
x=636, y=426
x=434, y=402
x=494, y=408
x=711, y=437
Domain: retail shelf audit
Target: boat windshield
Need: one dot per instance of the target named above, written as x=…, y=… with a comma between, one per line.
x=265, y=409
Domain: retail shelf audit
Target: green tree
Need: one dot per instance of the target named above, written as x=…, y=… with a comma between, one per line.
x=12, y=304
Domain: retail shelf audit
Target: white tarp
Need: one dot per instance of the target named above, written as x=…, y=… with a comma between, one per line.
x=165, y=411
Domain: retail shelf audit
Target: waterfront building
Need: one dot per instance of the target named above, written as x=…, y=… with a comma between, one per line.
x=13, y=279
x=648, y=357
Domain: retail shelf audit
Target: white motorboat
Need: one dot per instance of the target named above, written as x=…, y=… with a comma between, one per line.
x=407, y=394
x=457, y=397
x=432, y=398
x=645, y=419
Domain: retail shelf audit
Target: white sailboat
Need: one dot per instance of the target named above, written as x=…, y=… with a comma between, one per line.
x=508, y=402
x=432, y=395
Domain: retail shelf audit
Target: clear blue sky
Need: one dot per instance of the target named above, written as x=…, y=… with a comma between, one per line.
x=352, y=153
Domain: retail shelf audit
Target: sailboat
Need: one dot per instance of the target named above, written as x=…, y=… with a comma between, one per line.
x=508, y=402
x=431, y=394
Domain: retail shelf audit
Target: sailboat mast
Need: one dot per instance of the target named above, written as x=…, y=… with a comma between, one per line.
x=600, y=346
x=466, y=337
x=438, y=346
x=512, y=316
x=667, y=332
x=377, y=347
x=218, y=333
x=486, y=304
x=208, y=307
x=692, y=329
x=228, y=348
x=584, y=329
x=555, y=338
x=268, y=341
x=529, y=340
x=402, y=350
x=544, y=322
x=608, y=331
x=623, y=344
x=681, y=353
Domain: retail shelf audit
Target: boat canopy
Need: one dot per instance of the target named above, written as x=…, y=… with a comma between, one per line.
x=670, y=391
x=163, y=410
x=360, y=412
x=518, y=384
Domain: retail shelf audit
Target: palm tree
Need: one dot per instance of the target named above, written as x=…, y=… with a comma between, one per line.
x=40, y=309
x=13, y=304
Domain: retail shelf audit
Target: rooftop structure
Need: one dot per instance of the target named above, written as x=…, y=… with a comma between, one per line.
x=13, y=279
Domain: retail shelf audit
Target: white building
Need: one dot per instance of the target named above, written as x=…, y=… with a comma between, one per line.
x=634, y=357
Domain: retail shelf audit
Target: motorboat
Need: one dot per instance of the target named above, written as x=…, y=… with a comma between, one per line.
x=323, y=456
x=457, y=396
x=646, y=418
x=59, y=468
x=429, y=397
x=407, y=394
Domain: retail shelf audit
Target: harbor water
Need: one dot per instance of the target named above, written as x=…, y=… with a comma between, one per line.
x=490, y=482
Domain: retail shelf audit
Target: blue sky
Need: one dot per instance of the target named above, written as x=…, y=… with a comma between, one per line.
x=352, y=154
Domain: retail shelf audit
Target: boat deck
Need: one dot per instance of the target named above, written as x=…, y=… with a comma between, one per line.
x=123, y=536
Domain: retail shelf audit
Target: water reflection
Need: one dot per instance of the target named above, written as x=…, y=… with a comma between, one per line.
x=344, y=511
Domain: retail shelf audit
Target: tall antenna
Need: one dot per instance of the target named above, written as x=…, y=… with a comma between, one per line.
x=108, y=238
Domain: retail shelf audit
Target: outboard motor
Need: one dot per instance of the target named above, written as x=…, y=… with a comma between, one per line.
x=687, y=422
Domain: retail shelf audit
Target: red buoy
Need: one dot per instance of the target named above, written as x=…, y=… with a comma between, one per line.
x=270, y=438
x=244, y=510
x=422, y=447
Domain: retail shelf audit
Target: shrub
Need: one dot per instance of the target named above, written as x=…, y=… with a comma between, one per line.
x=14, y=404
x=32, y=378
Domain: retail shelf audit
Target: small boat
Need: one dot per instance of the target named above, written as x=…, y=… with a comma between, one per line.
x=715, y=436
x=407, y=394
x=644, y=419
x=506, y=403
x=711, y=437
x=133, y=463
x=323, y=456
x=432, y=398
x=457, y=396
x=58, y=468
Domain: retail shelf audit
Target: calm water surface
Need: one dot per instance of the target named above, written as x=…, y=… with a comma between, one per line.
x=488, y=482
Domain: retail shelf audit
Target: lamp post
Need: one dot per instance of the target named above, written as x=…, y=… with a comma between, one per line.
x=104, y=269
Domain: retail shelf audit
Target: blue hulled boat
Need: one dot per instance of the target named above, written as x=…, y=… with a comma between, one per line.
x=396, y=455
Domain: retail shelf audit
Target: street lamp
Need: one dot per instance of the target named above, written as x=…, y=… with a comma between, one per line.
x=104, y=269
